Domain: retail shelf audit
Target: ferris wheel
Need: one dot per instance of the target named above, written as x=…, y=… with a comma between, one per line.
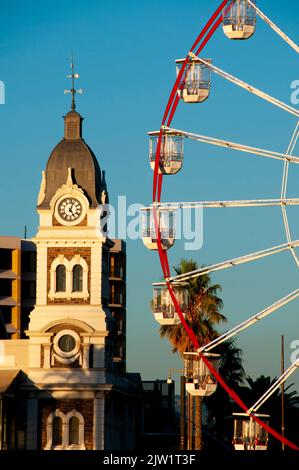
x=238, y=20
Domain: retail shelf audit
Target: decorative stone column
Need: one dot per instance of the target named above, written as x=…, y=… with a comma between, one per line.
x=47, y=356
x=98, y=421
x=86, y=351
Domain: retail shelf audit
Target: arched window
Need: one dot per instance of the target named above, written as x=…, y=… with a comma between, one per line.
x=65, y=431
x=69, y=278
x=60, y=278
x=77, y=278
x=74, y=431
x=57, y=431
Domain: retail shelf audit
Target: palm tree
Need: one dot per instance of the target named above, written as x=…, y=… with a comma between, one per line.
x=203, y=314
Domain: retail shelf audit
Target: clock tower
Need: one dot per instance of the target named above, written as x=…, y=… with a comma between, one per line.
x=76, y=399
x=72, y=248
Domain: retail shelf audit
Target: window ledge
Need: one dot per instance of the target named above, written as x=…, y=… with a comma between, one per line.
x=79, y=295
x=68, y=295
x=57, y=295
x=66, y=447
x=75, y=447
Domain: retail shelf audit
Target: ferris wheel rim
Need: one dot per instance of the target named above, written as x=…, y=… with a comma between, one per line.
x=210, y=28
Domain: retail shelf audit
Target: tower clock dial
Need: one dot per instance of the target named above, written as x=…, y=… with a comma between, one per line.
x=70, y=209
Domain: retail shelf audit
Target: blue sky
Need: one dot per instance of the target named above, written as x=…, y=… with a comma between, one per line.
x=125, y=53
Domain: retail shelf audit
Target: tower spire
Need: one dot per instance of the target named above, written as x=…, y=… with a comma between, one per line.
x=73, y=90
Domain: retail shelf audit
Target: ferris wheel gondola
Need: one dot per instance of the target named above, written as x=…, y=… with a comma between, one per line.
x=196, y=84
x=162, y=305
x=199, y=380
x=248, y=434
x=171, y=151
x=239, y=19
x=165, y=220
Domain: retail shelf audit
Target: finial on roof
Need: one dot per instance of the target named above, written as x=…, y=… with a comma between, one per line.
x=73, y=91
x=69, y=181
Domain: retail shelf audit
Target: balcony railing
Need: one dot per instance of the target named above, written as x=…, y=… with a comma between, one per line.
x=168, y=310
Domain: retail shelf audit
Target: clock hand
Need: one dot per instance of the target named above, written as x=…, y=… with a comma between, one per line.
x=68, y=209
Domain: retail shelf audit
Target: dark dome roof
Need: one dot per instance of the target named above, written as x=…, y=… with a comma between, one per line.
x=73, y=152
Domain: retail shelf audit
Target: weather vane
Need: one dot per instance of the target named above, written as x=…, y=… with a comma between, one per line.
x=73, y=91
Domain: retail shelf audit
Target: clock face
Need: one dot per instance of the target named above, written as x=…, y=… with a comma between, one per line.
x=70, y=209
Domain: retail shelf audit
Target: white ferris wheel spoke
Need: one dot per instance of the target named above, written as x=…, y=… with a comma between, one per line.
x=247, y=323
x=289, y=151
x=247, y=87
x=284, y=184
x=275, y=28
x=234, y=146
x=293, y=367
x=235, y=262
x=228, y=204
